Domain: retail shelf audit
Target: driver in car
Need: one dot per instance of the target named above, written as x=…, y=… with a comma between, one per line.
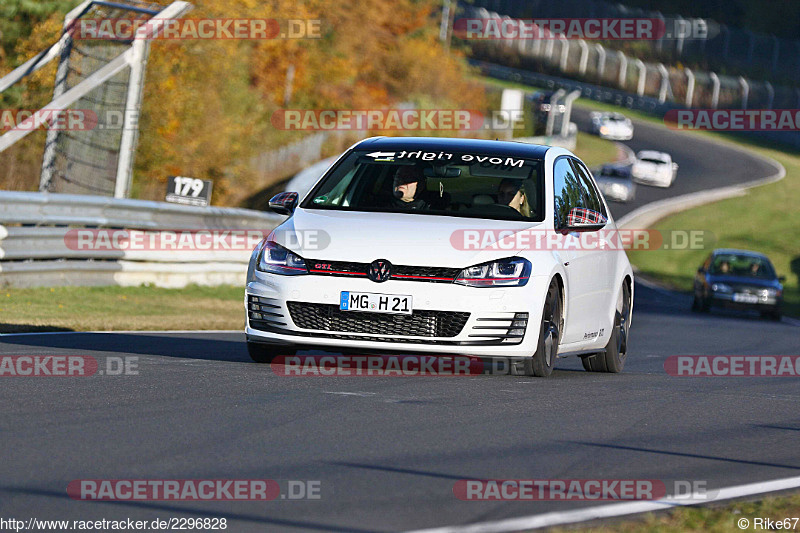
x=510, y=193
x=408, y=186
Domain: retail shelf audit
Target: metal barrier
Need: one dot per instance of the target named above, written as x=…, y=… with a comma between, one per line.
x=38, y=231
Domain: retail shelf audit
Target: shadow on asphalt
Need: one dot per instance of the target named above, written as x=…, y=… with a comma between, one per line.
x=188, y=347
x=684, y=454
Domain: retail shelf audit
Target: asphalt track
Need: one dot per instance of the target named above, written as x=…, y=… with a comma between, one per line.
x=388, y=451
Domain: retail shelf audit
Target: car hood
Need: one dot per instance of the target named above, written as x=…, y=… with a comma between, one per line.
x=402, y=239
x=616, y=126
x=743, y=281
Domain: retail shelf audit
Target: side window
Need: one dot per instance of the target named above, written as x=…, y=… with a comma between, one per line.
x=567, y=191
x=591, y=197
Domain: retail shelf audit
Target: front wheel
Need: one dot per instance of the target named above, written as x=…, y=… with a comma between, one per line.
x=612, y=359
x=543, y=361
x=265, y=353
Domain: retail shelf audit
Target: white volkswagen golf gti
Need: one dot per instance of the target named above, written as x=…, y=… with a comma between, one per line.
x=445, y=246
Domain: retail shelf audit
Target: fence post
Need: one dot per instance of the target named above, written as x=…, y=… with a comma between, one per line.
x=568, y=111
x=601, y=61
x=551, y=115
x=133, y=104
x=584, y=57
x=46, y=176
x=623, y=68
x=714, y=89
x=662, y=92
x=548, y=47
x=564, y=53
x=642, y=77
x=689, y=87
x=745, y=91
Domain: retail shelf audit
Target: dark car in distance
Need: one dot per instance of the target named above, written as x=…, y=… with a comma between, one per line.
x=738, y=279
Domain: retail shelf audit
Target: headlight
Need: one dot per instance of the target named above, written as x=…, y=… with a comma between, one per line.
x=721, y=287
x=276, y=259
x=604, y=130
x=768, y=293
x=511, y=272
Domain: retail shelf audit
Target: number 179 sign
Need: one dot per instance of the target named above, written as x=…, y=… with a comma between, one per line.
x=188, y=191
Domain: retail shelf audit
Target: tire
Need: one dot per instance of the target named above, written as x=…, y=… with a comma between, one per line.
x=265, y=353
x=613, y=358
x=543, y=361
x=772, y=315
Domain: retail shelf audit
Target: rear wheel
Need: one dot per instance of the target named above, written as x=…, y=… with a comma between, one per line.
x=265, y=353
x=612, y=359
x=543, y=360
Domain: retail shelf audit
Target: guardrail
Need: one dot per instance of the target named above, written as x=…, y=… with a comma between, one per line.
x=38, y=237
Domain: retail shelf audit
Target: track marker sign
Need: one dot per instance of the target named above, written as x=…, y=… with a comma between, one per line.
x=189, y=191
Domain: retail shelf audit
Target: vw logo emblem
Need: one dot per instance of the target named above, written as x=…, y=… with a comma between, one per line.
x=379, y=270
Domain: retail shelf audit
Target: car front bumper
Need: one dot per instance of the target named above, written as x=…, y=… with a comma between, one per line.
x=617, y=136
x=769, y=304
x=303, y=311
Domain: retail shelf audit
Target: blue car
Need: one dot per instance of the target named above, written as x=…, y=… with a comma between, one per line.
x=738, y=279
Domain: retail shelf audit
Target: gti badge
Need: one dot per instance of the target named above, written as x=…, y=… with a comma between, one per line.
x=379, y=270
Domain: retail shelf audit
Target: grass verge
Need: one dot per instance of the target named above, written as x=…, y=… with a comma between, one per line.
x=719, y=518
x=120, y=308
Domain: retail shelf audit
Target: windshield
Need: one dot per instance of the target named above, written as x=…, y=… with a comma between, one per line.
x=743, y=265
x=434, y=183
x=654, y=161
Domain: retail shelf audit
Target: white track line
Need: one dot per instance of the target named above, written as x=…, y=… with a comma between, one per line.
x=127, y=332
x=616, y=509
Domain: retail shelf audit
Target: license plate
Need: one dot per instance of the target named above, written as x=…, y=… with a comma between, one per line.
x=375, y=303
x=745, y=298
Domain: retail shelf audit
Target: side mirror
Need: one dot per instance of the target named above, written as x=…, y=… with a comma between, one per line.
x=284, y=203
x=700, y=270
x=582, y=219
x=781, y=278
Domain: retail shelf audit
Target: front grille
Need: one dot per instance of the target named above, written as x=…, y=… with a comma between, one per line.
x=747, y=289
x=421, y=323
x=399, y=272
